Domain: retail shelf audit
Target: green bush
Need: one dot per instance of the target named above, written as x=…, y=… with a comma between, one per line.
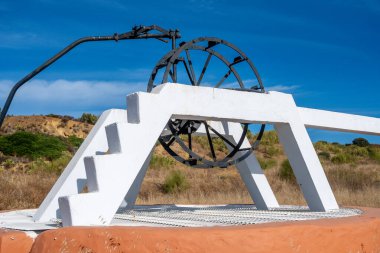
x=270, y=138
x=55, y=166
x=74, y=141
x=357, y=151
x=272, y=151
x=324, y=155
x=32, y=145
x=361, y=142
x=286, y=171
x=175, y=182
x=88, y=118
x=219, y=145
x=374, y=153
x=267, y=163
x=334, y=148
x=159, y=161
x=342, y=158
x=351, y=154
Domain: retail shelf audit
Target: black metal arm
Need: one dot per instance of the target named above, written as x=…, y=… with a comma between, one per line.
x=138, y=32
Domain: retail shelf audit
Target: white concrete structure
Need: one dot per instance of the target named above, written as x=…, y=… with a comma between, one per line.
x=115, y=156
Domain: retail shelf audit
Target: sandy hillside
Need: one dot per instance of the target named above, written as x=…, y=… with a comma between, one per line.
x=44, y=124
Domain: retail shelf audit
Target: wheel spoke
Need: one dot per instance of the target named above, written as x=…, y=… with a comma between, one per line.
x=188, y=73
x=210, y=141
x=223, y=78
x=190, y=147
x=170, y=142
x=172, y=76
x=222, y=137
x=191, y=66
x=204, y=68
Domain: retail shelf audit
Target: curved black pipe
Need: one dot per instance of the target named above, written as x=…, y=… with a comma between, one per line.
x=138, y=32
x=47, y=64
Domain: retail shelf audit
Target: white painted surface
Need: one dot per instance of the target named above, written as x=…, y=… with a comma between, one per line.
x=113, y=175
x=337, y=121
x=250, y=170
x=73, y=178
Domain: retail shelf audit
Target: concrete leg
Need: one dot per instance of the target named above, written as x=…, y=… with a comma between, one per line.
x=306, y=166
x=251, y=173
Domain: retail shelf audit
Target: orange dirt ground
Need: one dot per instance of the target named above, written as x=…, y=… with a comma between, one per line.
x=353, y=234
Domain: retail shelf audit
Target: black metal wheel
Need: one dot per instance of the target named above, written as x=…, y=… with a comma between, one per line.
x=220, y=61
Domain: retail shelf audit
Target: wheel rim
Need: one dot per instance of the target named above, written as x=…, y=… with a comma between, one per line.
x=181, y=56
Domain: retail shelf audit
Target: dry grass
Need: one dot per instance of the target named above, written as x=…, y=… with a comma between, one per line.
x=355, y=180
x=19, y=190
x=222, y=186
x=216, y=186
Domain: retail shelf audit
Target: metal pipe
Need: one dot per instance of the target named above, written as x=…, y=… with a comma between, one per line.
x=136, y=33
x=44, y=66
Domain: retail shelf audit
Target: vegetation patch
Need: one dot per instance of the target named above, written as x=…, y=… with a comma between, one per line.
x=352, y=178
x=324, y=155
x=267, y=163
x=360, y=142
x=286, y=172
x=88, y=118
x=159, y=161
x=32, y=145
x=175, y=182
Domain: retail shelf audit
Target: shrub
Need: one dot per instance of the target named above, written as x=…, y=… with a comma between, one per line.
x=203, y=142
x=88, y=118
x=286, y=171
x=361, y=142
x=342, y=158
x=374, y=153
x=8, y=163
x=56, y=166
x=357, y=151
x=328, y=147
x=175, y=182
x=75, y=141
x=267, y=163
x=219, y=145
x=270, y=138
x=324, y=155
x=350, y=154
x=158, y=161
x=54, y=115
x=271, y=151
x=32, y=145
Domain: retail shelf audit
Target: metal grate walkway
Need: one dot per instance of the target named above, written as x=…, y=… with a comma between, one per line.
x=223, y=215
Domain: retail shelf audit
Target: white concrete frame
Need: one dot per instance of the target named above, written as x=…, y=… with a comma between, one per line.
x=117, y=152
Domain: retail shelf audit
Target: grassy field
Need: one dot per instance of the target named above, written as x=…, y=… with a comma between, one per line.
x=28, y=170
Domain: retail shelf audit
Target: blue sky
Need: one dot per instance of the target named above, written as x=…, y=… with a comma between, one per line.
x=326, y=53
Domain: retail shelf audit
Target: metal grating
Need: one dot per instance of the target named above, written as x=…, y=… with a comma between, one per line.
x=223, y=215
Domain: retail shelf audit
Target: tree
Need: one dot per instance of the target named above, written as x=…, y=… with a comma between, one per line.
x=88, y=118
x=361, y=142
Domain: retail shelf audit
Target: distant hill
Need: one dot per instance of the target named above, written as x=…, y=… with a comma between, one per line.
x=51, y=125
